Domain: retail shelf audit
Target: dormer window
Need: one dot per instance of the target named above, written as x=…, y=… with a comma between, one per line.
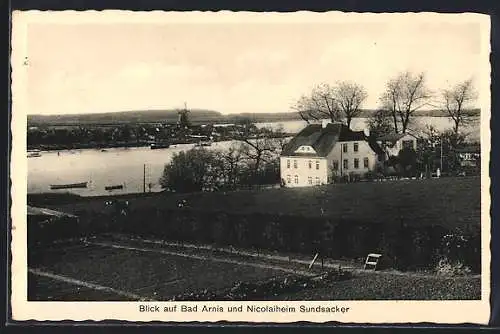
x=305, y=149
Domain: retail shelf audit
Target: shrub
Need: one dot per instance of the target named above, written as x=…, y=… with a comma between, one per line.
x=446, y=268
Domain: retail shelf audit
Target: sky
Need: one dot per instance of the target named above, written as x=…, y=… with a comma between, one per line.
x=231, y=67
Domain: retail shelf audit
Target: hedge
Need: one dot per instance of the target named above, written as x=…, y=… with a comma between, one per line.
x=404, y=247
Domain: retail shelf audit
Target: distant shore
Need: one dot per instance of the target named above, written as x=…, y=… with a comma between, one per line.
x=195, y=116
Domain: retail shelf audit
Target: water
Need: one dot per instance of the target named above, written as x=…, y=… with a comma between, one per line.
x=116, y=166
x=120, y=166
x=359, y=124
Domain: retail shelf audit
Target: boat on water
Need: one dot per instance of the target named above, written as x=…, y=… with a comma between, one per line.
x=34, y=153
x=114, y=187
x=69, y=185
x=203, y=144
x=156, y=146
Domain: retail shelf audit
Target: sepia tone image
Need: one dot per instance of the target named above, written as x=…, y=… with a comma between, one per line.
x=263, y=160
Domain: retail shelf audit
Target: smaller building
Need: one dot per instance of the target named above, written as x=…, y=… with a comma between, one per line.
x=469, y=156
x=393, y=143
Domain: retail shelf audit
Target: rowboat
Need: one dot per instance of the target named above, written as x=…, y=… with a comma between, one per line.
x=69, y=186
x=114, y=187
x=156, y=146
x=34, y=153
x=203, y=144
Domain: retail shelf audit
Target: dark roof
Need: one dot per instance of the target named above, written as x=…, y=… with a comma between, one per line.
x=321, y=139
x=391, y=137
x=469, y=149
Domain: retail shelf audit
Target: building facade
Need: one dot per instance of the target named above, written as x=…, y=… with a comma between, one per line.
x=319, y=153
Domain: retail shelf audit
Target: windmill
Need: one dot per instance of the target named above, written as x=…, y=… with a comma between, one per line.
x=183, y=119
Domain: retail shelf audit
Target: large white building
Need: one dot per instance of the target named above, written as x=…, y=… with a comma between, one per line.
x=321, y=151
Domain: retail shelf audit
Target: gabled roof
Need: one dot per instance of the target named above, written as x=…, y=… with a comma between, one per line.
x=393, y=137
x=321, y=139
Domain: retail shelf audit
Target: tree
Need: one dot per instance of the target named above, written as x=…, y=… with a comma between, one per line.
x=407, y=159
x=437, y=150
x=349, y=97
x=319, y=104
x=457, y=100
x=189, y=171
x=379, y=123
x=257, y=146
x=404, y=94
x=230, y=166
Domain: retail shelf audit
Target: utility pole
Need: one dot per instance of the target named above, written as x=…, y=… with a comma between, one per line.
x=341, y=162
x=441, y=157
x=144, y=179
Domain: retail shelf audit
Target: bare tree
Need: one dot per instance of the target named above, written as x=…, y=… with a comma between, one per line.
x=319, y=104
x=258, y=146
x=349, y=97
x=457, y=100
x=405, y=94
x=379, y=123
x=231, y=164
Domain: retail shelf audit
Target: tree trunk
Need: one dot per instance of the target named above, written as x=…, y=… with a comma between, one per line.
x=395, y=121
x=455, y=128
x=349, y=119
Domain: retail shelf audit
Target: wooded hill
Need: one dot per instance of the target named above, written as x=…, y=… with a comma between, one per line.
x=196, y=116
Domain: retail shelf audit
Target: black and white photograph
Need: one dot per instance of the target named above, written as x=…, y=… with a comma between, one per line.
x=234, y=166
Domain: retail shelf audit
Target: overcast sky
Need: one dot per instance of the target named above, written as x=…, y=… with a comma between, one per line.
x=234, y=67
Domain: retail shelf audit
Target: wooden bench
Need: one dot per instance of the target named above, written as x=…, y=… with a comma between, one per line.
x=372, y=261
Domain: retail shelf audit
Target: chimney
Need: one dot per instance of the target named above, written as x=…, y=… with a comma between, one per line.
x=325, y=122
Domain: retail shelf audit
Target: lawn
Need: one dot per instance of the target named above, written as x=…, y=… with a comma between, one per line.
x=450, y=202
x=391, y=287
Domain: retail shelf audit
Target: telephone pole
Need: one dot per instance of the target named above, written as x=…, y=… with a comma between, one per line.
x=441, y=157
x=144, y=179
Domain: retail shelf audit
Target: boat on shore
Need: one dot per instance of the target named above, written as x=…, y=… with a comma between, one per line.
x=156, y=146
x=34, y=153
x=69, y=185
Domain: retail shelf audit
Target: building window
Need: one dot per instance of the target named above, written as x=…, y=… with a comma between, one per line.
x=296, y=179
x=317, y=164
x=335, y=165
x=295, y=164
x=310, y=180
x=346, y=164
x=408, y=144
x=356, y=147
x=288, y=179
x=317, y=180
x=310, y=164
x=356, y=163
x=288, y=163
x=344, y=148
x=365, y=162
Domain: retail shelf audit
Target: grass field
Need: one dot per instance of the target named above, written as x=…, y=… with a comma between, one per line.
x=109, y=270
x=394, y=287
x=450, y=202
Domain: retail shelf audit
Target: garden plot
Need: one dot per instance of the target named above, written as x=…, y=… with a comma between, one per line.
x=113, y=271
